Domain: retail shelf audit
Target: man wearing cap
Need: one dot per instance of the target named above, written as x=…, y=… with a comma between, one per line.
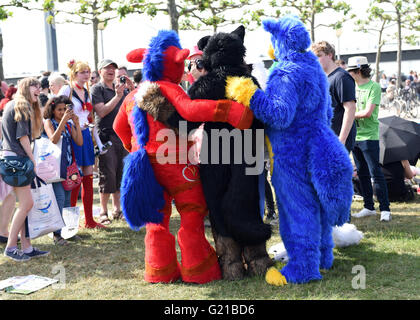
x=366, y=149
x=107, y=97
x=343, y=94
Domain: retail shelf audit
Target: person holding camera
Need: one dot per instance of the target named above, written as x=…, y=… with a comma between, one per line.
x=107, y=96
x=57, y=114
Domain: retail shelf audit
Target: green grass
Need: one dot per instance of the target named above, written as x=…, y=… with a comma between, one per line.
x=109, y=264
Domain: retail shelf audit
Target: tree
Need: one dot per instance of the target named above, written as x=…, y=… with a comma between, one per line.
x=213, y=13
x=85, y=12
x=406, y=15
x=376, y=22
x=189, y=14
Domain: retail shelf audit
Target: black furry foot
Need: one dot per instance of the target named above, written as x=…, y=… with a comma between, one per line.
x=257, y=259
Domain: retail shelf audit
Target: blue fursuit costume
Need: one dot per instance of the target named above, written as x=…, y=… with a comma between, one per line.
x=312, y=173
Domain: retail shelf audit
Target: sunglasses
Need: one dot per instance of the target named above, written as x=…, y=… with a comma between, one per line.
x=198, y=64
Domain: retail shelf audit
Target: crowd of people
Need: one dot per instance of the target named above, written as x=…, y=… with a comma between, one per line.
x=80, y=107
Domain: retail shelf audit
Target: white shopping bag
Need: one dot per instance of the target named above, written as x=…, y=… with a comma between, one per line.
x=71, y=216
x=48, y=159
x=44, y=216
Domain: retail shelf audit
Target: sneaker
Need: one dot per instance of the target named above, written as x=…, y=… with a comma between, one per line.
x=364, y=213
x=36, y=253
x=385, y=216
x=17, y=255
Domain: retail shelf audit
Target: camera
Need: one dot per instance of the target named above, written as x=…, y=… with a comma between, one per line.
x=70, y=106
x=122, y=79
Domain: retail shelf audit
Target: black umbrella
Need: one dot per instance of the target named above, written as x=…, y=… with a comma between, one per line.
x=399, y=139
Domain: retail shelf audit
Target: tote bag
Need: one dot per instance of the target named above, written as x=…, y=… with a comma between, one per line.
x=44, y=216
x=48, y=159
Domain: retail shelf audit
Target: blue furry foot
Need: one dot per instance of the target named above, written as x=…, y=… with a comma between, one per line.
x=295, y=273
x=327, y=258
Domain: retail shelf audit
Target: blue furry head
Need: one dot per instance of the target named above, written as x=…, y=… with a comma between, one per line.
x=288, y=34
x=153, y=64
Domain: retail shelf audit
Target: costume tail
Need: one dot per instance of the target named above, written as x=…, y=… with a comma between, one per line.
x=141, y=194
x=332, y=171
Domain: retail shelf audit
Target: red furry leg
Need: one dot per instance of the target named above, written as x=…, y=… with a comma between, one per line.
x=160, y=258
x=199, y=262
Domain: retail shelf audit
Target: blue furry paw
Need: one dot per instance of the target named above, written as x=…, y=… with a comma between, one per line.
x=327, y=259
x=300, y=274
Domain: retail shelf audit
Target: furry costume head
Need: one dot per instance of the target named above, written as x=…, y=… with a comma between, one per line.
x=223, y=49
x=163, y=60
x=288, y=35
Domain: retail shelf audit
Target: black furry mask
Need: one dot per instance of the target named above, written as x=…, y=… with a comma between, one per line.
x=223, y=49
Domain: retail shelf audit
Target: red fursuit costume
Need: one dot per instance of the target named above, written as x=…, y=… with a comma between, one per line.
x=157, y=97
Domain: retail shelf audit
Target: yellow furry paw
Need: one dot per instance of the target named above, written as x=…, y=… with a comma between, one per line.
x=240, y=89
x=275, y=278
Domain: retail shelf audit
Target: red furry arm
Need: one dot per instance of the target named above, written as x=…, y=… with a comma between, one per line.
x=121, y=125
x=200, y=110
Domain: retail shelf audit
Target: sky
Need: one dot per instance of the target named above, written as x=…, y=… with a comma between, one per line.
x=24, y=44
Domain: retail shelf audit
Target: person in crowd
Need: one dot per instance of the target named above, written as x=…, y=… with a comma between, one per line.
x=57, y=114
x=341, y=63
x=56, y=82
x=78, y=92
x=45, y=91
x=417, y=85
x=137, y=77
x=10, y=93
x=107, y=96
x=366, y=149
x=383, y=82
x=342, y=91
x=94, y=78
x=390, y=90
x=121, y=75
x=21, y=124
x=8, y=201
x=195, y=65
x=6, y=211
x=395, y=174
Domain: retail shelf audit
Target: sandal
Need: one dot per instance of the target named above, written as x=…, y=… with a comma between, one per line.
x=59, y=240
x=103, y=218
x=117, y=215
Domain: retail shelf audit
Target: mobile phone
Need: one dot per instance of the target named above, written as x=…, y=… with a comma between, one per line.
x=69, y=107
x=122, y=79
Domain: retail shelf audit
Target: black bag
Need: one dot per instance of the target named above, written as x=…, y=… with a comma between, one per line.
x=17, y=171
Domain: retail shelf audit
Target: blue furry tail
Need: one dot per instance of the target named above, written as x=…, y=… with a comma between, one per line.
x=332, y=172
x=141, y=194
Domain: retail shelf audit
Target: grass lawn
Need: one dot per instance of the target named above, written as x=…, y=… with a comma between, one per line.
x=109, y=264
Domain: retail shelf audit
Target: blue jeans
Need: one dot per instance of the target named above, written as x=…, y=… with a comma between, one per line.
x=366, y=158
x=63, y=199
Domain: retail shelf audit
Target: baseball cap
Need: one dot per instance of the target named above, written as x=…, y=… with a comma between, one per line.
x=194, y=51
x=106, y=62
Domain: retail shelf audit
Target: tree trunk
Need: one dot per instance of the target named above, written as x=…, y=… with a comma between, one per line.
x=313, y=23
x=173, y=15
x=399, y=52
x=1, y=57
x=378, y=53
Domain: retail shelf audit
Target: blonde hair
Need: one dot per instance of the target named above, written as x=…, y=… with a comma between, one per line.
x=25, y=109
x=75, y=67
